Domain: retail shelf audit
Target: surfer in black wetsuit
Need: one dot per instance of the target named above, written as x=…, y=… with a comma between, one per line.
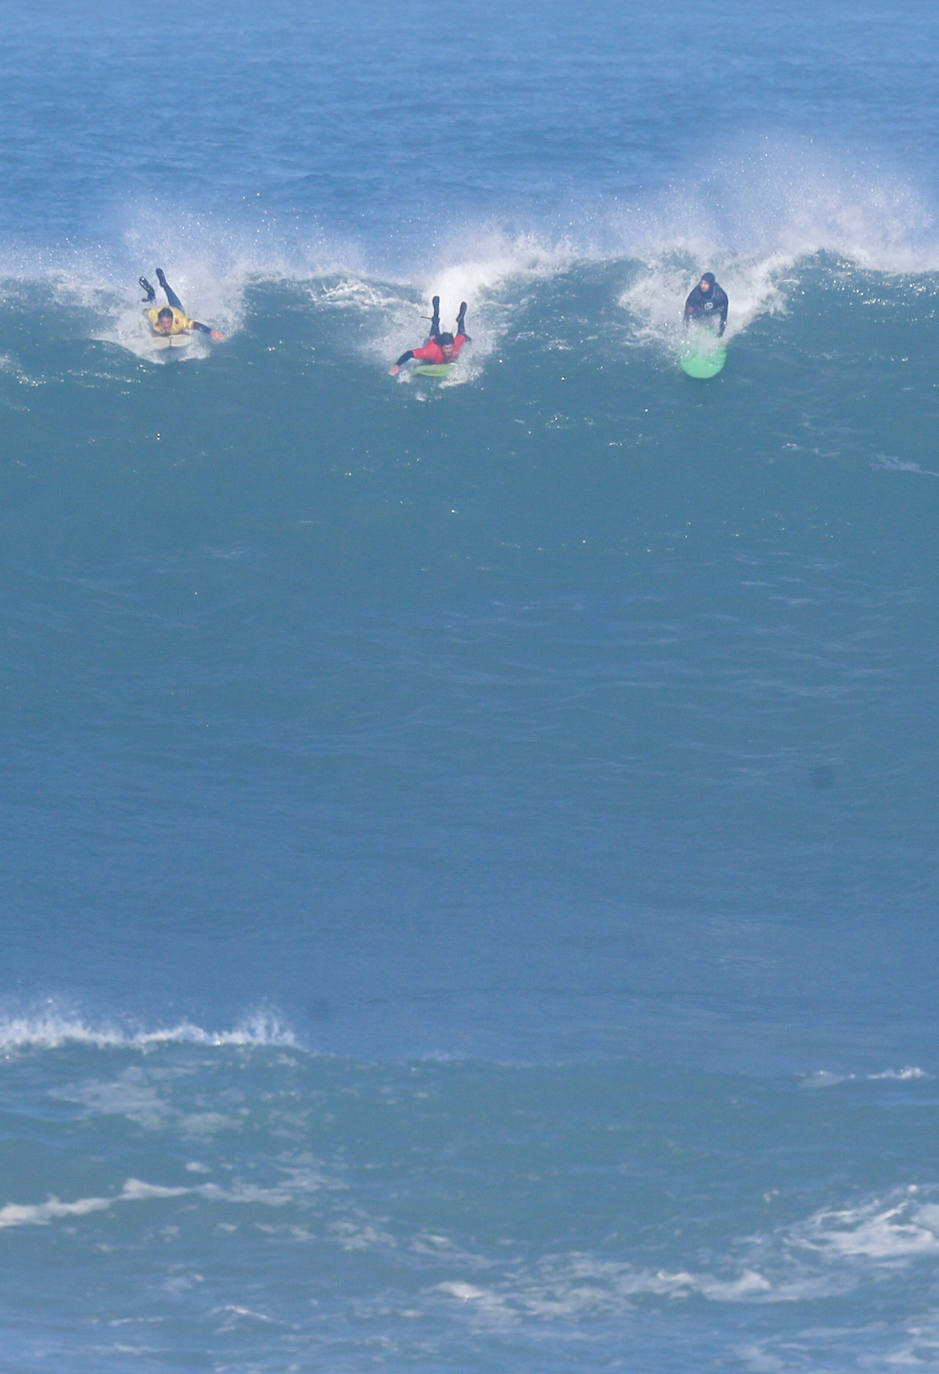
x=707, y=304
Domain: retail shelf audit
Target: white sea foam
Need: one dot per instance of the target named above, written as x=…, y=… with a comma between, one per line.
x=137, y=1096
x=53, y=1209
x=233, y=1317
x=586, y=1288
x=888, y=463
x=832, y=1252
x=52, y=1028
x=825, y=1078
x=897, y=1229
x=493, y=1307
x=908, y=1074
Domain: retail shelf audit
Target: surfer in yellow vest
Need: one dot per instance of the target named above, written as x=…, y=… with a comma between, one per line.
x=707, y=304
x=170, y=319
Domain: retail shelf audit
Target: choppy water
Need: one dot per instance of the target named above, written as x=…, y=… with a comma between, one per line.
x=469, y=848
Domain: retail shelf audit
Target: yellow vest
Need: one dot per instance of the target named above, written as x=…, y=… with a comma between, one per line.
x=180, y=322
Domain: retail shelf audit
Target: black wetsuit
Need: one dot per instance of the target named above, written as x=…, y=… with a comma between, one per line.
x=707, y=307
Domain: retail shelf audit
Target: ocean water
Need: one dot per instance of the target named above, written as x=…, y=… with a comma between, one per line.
x=469, y=848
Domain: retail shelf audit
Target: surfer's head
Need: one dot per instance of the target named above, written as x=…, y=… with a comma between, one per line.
x=164, y=320
x=446, y=344
x=707, y=281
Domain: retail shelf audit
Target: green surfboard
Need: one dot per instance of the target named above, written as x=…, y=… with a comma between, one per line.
x=433, y=370
x=702, y=354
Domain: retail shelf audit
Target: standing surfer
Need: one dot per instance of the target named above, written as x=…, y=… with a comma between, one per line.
x=707, y=303
x=437, y=348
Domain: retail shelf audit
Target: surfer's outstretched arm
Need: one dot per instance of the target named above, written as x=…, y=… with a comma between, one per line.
x=396, y=367
x=432, y=337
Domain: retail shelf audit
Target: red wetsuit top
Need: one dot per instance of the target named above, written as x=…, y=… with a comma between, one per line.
x=433, y=353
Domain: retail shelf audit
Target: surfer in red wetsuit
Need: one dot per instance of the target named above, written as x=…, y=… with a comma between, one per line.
x=707, y=303
x=438, y=348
